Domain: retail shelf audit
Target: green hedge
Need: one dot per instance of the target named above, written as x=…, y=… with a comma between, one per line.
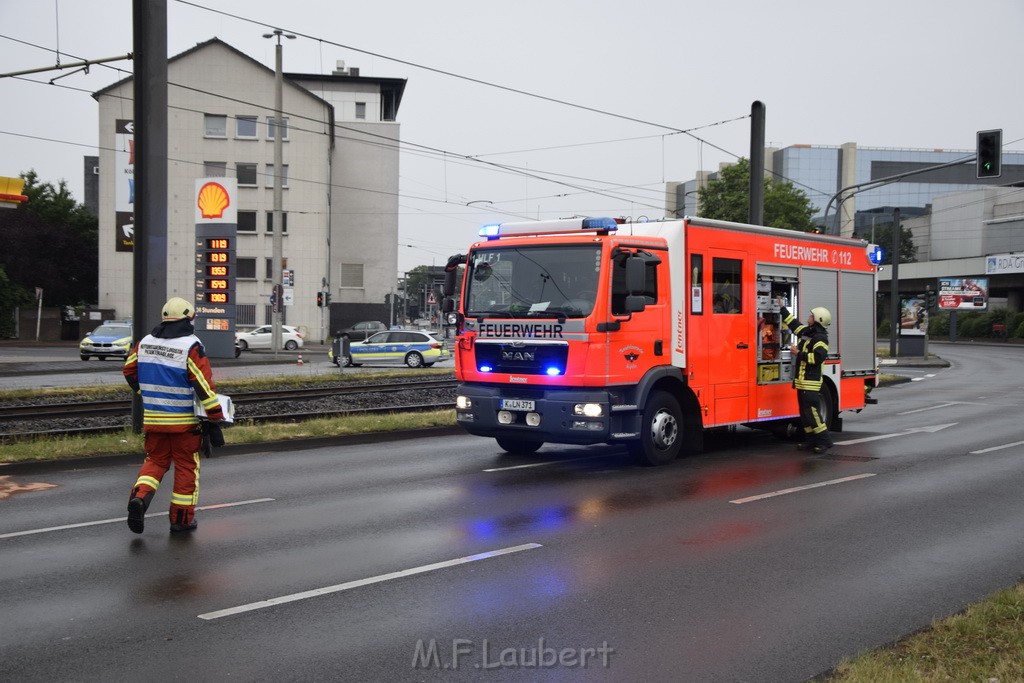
x=971, y=324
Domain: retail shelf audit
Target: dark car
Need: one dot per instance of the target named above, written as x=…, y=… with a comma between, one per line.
x=362, y=330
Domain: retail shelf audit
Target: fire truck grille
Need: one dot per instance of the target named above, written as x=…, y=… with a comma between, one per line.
x=525, y=360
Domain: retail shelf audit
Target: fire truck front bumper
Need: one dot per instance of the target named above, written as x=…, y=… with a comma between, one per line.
x=558, y=415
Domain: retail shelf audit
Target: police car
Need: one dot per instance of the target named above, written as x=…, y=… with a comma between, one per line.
x=111, y=339
x=415, y=348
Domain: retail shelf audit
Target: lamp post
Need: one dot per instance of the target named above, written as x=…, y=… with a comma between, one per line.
x=278, y=244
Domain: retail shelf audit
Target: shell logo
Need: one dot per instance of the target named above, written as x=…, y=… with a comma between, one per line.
x=213, y=199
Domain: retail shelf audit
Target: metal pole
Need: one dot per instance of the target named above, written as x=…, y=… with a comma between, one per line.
x=149, y=260
x=895, y=287
x=278, y=245
x=755, y=211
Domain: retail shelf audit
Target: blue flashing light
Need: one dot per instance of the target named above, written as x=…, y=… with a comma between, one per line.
x=553, y=370
x=602, y=223
x=490, y=231
x=875, y=254
x=485, y=368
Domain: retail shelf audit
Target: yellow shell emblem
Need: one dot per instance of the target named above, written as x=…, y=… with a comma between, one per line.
x=213, y=199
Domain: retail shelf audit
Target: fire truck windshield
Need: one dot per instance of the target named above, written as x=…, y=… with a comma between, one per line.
x=541, y=281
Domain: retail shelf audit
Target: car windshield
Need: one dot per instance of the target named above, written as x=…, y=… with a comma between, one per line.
x=546, y=281
x=112, y=331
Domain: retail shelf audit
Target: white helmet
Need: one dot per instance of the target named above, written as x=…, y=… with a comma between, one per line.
x=177, y=308
x=822, y=315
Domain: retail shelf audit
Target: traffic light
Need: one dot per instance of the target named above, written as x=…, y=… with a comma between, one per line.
x=320, y=299
x=990, y=152
x=931, y=297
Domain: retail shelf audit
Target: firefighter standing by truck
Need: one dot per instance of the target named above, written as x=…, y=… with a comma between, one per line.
x=170, y=369
x=809, y=354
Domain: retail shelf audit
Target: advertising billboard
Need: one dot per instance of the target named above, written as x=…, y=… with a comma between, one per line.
x=957, y=294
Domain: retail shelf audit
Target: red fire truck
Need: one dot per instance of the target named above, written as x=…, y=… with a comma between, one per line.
x=597, y=331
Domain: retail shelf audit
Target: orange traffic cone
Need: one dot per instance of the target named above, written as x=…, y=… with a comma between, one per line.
x=299, y=361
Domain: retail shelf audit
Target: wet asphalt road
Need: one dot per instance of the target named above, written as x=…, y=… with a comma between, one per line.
x=682, y=571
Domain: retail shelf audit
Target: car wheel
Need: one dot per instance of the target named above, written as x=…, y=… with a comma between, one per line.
x=290, y=345
x=84, y=357
x=518, y=446
x=414, y=360
x=348, y=362
x=242, y=344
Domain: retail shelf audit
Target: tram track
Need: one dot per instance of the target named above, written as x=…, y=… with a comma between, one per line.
x=54, y=420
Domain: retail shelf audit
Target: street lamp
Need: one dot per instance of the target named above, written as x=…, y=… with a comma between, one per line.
x=278, y=246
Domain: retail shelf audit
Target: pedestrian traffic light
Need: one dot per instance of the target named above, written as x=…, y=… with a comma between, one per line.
x=320, y=299
x=990, y=152
x=931, y=297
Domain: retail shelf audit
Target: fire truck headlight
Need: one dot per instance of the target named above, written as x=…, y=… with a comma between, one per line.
x=533, y=419
x=463, y=402
x=588, y=409
x=505, y=417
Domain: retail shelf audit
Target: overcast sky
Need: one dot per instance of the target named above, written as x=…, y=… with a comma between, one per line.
x=895, y=73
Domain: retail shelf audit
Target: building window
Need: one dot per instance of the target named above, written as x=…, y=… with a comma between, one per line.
x=352, y=275
x=215, y=169
x=246, y=174
x=245, y=127
x=271, y=127
x=270, y=175
x=245, y=314
x=245, y=268
x=284, y=222
x=247, y=223
x=215, y=126
x=269, y=271
x=360, y=110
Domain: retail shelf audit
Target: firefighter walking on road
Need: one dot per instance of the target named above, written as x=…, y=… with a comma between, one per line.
x=169, y=368
x=810, y=353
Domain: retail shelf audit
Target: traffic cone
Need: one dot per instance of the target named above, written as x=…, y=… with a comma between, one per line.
x=299, y=361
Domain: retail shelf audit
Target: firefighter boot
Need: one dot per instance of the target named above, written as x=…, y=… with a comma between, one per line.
x=183, y=523
x=137, y=507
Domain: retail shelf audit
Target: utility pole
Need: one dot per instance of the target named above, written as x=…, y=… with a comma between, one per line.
x=755, y=211
x=278, y=242
x=895, y=287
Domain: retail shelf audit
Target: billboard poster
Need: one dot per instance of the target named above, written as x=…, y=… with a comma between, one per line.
x=124, y=185
x=913, y=317
x=958, y=294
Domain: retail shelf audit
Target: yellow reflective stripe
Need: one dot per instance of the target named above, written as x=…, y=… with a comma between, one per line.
x=813, y=385
x=200, y=377
x=132, y=358
x=183, y=499
x=148, y=481
x=822, y=345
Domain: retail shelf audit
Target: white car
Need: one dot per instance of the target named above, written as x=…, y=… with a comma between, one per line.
x=260, y=338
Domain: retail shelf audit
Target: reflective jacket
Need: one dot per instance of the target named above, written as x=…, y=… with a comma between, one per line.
x=170, y=369
x=812, y=350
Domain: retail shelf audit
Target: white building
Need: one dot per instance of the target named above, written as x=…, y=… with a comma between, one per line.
x=340, y=166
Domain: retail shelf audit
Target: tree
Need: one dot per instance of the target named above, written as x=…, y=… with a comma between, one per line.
x=11, y=297
x=728, y=199
x=51, y=242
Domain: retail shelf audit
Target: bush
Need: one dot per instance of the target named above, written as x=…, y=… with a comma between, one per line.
x=938, y=325
x=884, y=329
x=1013, y=326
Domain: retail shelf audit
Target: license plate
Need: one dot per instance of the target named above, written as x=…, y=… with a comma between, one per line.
x=516, y=404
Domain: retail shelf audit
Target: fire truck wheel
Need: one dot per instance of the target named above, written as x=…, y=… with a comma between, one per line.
x=660, y=435
x=519, y=446
x=826, y=405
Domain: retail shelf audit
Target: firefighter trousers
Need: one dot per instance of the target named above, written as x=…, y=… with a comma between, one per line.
x=162, y=450
x=812, y=419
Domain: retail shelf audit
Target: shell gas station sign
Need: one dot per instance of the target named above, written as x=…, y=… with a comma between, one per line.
x=216, y=215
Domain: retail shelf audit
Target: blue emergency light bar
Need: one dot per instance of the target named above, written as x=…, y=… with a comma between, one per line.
x=568, y=225
x=875, y=254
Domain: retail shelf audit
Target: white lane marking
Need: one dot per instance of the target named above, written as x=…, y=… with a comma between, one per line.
x=316, y=592
x=997, y=448
x=795, y=489
x=923, y=410
x=912, y=430
x=546, y=462
x=122, y=519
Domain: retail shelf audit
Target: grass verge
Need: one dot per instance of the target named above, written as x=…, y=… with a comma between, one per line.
x=983, y=643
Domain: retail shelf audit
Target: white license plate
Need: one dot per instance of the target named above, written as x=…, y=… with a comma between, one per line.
x=516, y=404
